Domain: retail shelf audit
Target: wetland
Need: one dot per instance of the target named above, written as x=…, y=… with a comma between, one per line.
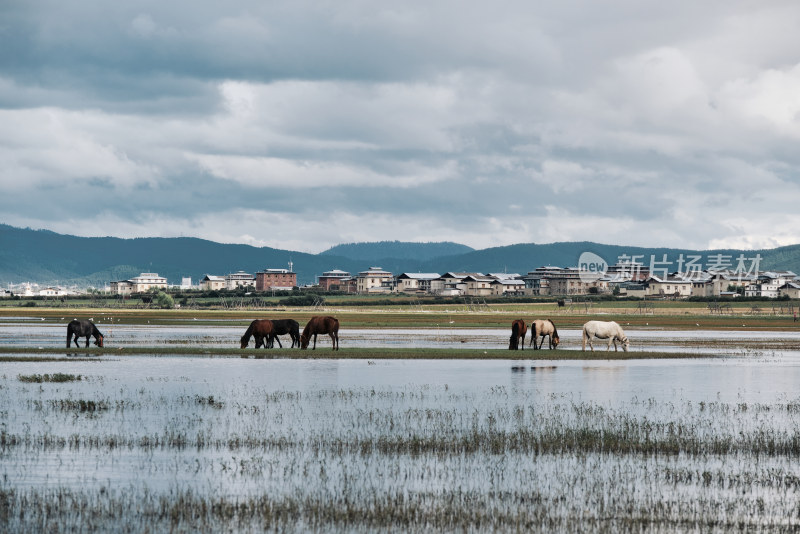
x=705, y=439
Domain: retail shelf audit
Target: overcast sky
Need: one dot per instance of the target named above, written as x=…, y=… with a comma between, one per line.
x=301, y=125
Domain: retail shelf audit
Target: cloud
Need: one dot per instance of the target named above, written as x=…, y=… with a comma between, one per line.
x=641, y=124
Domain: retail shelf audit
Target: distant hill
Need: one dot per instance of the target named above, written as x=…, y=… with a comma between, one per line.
x=525, y=257
x=397, y=250
x=49, y=258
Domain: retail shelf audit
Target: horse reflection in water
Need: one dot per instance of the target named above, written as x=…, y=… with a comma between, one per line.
x=320, y=324
x=84, y=328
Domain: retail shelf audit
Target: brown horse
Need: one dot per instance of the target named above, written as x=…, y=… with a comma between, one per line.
x=518, y=331
x=261, y=329
x=320, y=324
x=544, y=327
x=85, y=329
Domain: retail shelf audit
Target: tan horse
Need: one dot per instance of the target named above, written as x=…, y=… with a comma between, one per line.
x=518, y=331
x=544, y=327
x=320, y=325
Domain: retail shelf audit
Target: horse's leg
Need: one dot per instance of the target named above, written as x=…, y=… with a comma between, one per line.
x=315, y=342
x=333, y=341
x=278, y=339
x=337, y=339
x=87, y=342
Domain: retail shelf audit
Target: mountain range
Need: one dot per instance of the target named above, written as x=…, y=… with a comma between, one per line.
x=47, y=257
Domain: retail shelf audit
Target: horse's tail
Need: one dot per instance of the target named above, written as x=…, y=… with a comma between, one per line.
x=585, y=337
x=69, y=334
x=513, y=341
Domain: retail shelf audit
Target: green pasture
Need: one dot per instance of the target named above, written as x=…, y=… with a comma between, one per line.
x=662, y=314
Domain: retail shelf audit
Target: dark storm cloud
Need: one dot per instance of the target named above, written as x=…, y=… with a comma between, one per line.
x=639, y=123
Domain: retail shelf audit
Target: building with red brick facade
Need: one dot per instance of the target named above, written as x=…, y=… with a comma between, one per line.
x=282, y=279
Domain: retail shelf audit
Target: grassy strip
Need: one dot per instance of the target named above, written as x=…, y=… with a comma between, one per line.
x=356, y=353
x=681, y=318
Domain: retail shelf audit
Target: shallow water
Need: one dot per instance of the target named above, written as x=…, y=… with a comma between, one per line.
x=27, y=333
x=443, y=444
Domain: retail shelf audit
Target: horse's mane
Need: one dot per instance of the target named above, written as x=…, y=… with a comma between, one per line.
x=248, y=332
x=555, y=330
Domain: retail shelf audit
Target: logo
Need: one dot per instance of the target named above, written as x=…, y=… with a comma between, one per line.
x=591, y=267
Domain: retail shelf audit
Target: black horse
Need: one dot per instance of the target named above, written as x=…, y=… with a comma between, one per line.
x=85, y=329
x=284, y=326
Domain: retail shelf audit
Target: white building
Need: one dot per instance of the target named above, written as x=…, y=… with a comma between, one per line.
x=415, y=282
x=211, y=282
x=240, y=279
x=374, y=280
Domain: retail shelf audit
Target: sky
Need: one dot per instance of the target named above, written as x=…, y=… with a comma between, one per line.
x=301, y=125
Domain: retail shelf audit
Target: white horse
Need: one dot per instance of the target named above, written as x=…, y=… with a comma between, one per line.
x=604, y=330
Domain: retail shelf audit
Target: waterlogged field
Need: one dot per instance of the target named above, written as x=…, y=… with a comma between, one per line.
x=31, y=332
x=217, y=444
x=220, y=443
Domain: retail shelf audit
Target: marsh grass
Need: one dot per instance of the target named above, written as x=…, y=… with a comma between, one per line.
x=406, y=458
x=226, y=452
x=55, y=377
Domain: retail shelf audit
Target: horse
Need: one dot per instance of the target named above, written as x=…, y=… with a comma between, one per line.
x=83, y=329
x=518, y=331
x=544, y=327
x=261, y=330
x=320, y=324
x=605, y=330
x=284, y=326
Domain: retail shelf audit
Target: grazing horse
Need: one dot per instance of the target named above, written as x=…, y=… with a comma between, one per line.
x=518, y=331
x=261, y=330
x=320, y=324
x=605, y=330
x=284, y=326
x=83, y=329
x=544, y=327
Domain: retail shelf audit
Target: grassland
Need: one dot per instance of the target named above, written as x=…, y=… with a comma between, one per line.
x=667, y=314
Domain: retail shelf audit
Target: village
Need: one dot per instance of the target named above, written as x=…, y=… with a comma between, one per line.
x=623, y=279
